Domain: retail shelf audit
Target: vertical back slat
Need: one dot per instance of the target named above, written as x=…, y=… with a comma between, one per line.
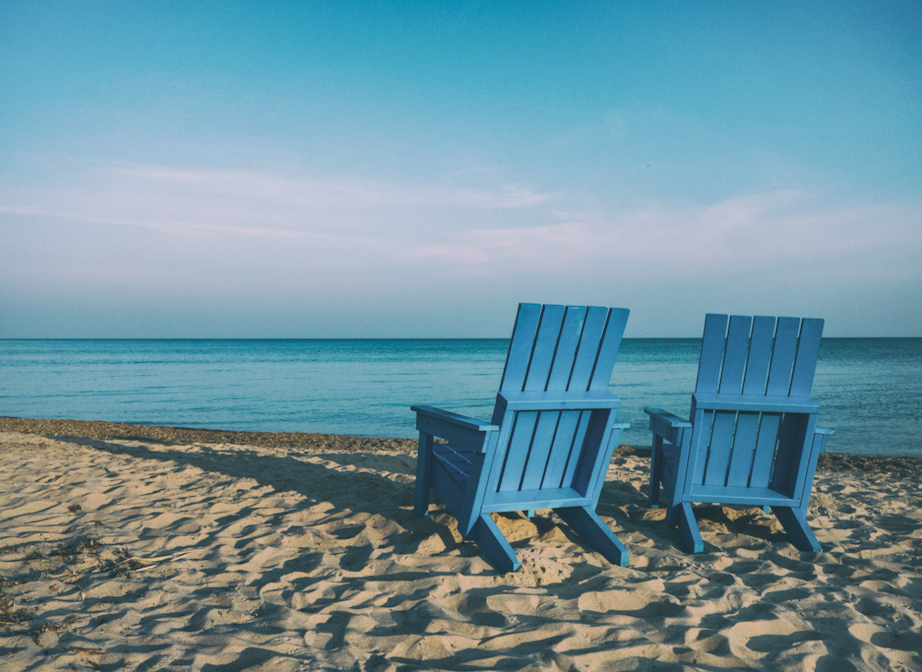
x=744, y=444
x=608, y=351
x=779, y=374
x=560, y=450
x=731, y=377
x=520, y=347
x=765, y=450
x=719, y=450
x=760, y=355
x=577, y=447
x=712, y=350
x=701, y=442
x=570, y=333
x=593, y=449
x=540, y=450
x=542, y=355
x=808, y=350
x=790, y=447
x=519, y=446
x=588, y=349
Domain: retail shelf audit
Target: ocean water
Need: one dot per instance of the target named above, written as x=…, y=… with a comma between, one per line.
x=869, y=390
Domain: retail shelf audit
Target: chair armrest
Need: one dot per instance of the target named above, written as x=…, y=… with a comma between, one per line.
x=821, y=435
x=454, y=418
x=666, y=424
x=458, y=428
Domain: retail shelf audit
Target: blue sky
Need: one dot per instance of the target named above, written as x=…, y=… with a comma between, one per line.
x=336, y=169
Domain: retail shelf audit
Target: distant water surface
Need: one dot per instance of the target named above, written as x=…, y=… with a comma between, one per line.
x=869, y=390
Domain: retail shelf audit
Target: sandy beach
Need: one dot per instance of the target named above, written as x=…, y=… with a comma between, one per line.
x=136, y=548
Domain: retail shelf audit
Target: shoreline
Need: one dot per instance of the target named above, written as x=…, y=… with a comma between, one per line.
x=903, y=465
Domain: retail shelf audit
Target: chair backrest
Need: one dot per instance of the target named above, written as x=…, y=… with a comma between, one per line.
x=558, y=349
x=753, y=396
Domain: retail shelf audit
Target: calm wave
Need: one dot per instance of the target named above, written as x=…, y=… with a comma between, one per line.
x=869, y=389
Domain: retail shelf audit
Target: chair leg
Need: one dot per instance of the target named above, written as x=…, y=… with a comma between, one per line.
x=597, y=535
x=423, y=475
x=656, y=470
x=688, y=526
x=494, y=545
x=672, y=513
x=795, y=524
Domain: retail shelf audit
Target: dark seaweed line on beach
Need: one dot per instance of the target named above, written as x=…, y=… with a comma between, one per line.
x=899, y=466
x=103, y=431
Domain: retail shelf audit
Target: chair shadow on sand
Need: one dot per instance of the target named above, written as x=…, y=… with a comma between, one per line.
x=393, y=499
x=381, y=495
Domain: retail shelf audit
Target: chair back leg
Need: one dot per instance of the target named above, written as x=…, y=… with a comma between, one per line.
x=688, y=526
x=423, y=475
x=494, y=545
x=595, y=533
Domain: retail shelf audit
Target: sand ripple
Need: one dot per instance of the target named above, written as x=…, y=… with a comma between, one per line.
x=147, y=555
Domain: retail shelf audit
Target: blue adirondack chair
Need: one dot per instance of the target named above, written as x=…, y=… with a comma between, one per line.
x=752, y=437
x=551, y=438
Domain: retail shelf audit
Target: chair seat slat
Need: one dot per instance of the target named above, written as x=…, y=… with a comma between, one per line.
x=456, y=460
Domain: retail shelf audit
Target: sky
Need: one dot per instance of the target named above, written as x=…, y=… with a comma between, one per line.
x=417, y=169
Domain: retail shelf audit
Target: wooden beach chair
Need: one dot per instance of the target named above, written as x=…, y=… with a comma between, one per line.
x=752, y=437
x=551, y=438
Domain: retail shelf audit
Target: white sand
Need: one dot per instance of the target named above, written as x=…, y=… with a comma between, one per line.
x=223, y=557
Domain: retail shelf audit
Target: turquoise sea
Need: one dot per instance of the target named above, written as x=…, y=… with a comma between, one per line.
x=869, y=389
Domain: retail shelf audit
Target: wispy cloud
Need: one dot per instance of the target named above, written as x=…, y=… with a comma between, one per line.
x=339, y=191
x=237, y=202
x=766, y=232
